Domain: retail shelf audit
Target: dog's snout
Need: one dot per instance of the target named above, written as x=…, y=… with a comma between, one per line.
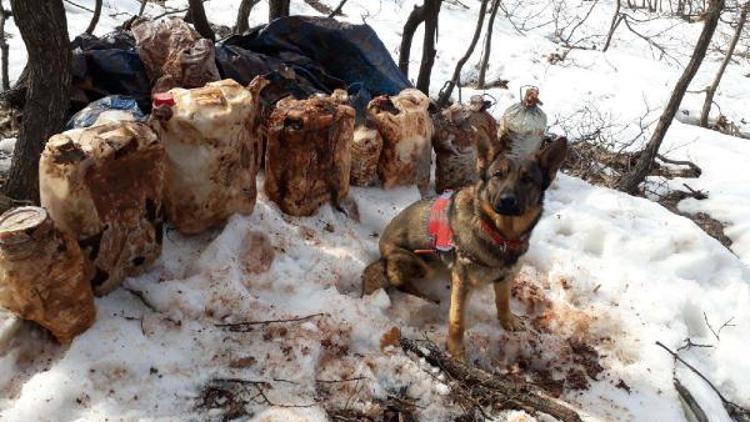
x=508, y=200
x=507, y=204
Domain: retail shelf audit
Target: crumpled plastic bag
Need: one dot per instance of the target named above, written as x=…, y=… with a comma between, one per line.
x=524, y=125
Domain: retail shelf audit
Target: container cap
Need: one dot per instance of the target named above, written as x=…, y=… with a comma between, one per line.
x=20, y=225
x=163, y=99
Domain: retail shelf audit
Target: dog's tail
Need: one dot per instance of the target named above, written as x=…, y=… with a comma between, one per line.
x=374, y=278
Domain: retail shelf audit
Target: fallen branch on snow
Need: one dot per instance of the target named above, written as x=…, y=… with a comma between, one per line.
x=478, y=383
x=735, y=411
x=245, y=326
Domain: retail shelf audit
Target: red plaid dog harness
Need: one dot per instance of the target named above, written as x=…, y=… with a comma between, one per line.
x=438, y=227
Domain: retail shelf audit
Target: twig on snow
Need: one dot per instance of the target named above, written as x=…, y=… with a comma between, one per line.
x=341, y=380
x=716, y=333
x=259, y=387
x=735, y=411
x=247, y=325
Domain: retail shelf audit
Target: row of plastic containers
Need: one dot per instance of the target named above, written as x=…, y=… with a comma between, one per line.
x=107, y=189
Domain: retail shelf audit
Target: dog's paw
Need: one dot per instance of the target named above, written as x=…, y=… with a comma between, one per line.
x=457, y=351
x=512, y=322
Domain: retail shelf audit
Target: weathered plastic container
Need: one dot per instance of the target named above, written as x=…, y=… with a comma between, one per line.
x=211, y=140
x=43, y=275
x=103, y=185
x=406, y=128
x=366, y=148
x=308, y=156
x=174, y=54
x=455, y=149
x=485, y=132
x=524, y=125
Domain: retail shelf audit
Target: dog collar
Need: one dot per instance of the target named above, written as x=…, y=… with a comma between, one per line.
x=502, y=242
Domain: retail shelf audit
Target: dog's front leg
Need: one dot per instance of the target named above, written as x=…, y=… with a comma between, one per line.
x=459, y=290
x=508, y=320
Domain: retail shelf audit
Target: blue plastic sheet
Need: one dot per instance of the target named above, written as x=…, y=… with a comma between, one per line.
x=90, y=113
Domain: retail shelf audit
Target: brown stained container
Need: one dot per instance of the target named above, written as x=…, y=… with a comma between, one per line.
x=308, y=156
x=103, y=185
x=42, y=274
x=210, y=136
x=174, y=54
x=455, y=149
x=406, y=128
x=366, y=148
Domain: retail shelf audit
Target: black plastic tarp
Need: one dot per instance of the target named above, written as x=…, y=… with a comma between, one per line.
x=108, y=66
x=350, y=53
x=323, y=53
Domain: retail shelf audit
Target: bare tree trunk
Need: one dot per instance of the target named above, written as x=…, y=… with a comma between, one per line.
x=277, y=9
x=629, y=183
x=487, y=45
x=416, y=17
x=198, y=15
x=243, y=14
x=143, y=7
x=95, y=18
x=711, y=91
x=4, y=50
x=455, y=80
x=616, y=19
x=44, y=30
x=431, y=14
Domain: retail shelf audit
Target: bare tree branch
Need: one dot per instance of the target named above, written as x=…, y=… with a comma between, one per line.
x=95, y=18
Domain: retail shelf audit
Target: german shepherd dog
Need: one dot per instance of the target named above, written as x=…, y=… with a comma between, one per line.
x=479, y=233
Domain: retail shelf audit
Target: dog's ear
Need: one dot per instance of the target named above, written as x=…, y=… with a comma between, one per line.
x=551, y=158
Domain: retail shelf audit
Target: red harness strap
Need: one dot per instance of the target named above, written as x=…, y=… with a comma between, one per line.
x=438, y=228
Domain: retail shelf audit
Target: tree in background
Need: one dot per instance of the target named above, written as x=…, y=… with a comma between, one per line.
x=711, y=90
x=484, y=62
x=277, y=9
x=95, y=18
x=199, y=20
x=416, y=17
x=431, y=13
x=243, y=15
x=445, y=95
x=44, y=30
x=630, y=182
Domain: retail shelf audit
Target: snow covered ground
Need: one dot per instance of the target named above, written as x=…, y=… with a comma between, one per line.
x=607, y=274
